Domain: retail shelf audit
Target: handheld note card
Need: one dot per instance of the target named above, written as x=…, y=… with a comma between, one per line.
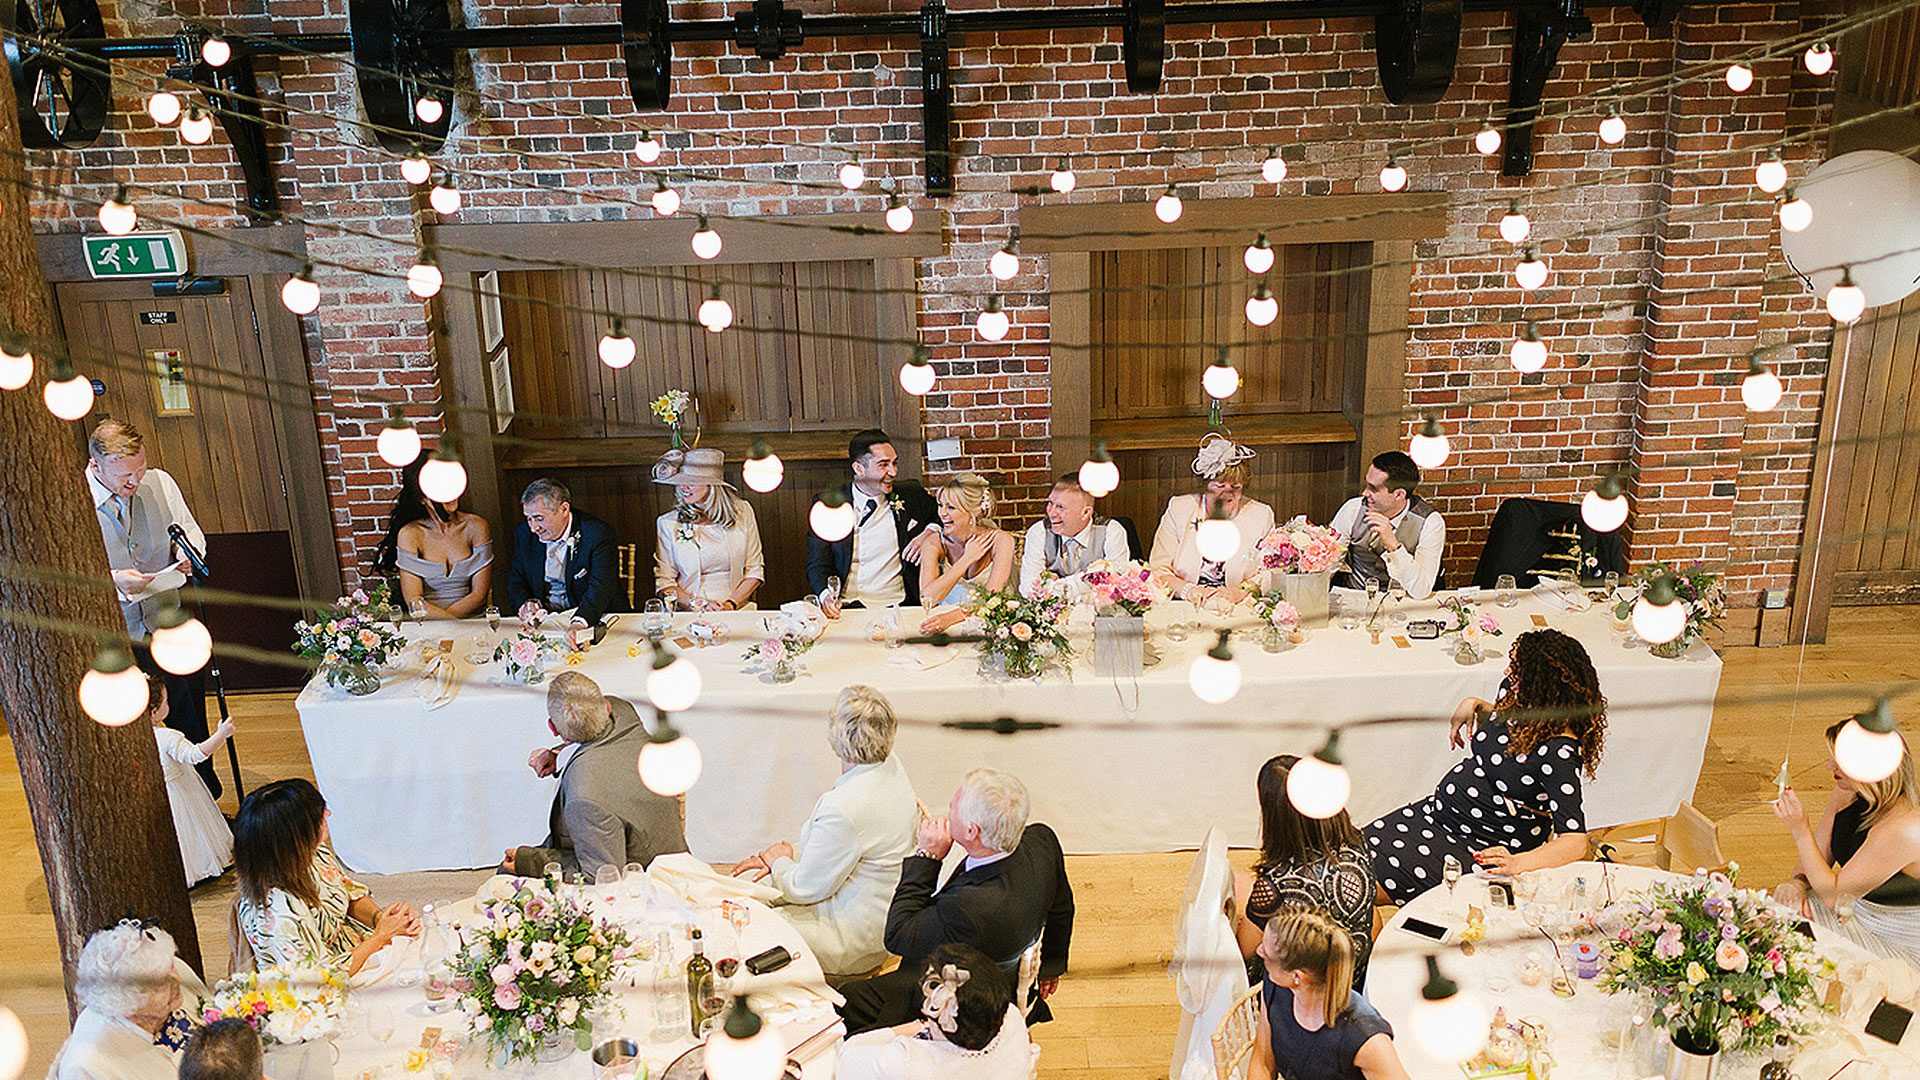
x=1401, y=642
x=1539, y=620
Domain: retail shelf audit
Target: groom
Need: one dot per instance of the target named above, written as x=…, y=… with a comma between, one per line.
x=563, y=559
x=890, y=516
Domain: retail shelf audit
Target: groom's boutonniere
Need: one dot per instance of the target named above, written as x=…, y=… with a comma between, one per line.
x=896, y=503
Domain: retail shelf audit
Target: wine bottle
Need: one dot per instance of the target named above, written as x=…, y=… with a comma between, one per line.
x=699, y=983
x=1777, y=1068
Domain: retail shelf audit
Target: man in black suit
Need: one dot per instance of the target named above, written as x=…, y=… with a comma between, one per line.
x=563, y=559
x=1012, y=886
x=890, y=519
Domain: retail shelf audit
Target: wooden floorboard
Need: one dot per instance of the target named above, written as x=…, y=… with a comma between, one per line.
x=1116, y=1010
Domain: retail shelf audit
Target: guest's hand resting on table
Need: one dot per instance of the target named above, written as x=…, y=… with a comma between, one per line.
x=933, y=624
x=396, y=920
x=752, y=866
x=1465, y=718
x=933, y=838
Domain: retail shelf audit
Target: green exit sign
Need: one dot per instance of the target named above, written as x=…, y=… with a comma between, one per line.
x=153, y=253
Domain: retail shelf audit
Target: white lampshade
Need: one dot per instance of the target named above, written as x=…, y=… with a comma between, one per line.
x=1003, y=264
x=1796, y=213
x=852, y=175
x=715, y=314
x=763, y=474
x=1529, y=352
x=13, y=1045
x=1658, y=623
x=1867, y=756
x=1613, y=131
x=1515, y=226
x=182, y=649
x=992, y=322
x=415, y=169
x=1218, y=539
x=760, y=1056
x=113, y=691
x=1739, y=78
x=1213, y=680
x=1601, y=513
x=674, y=688
x=1761, y=390
x=917, y=378
x=670, y=768
x=1258, y=256
x=197, y=128
x=1318, y=789
x=1819, y=58
x=118, y=216
x=1845, y=302
x=216, y=51
x=398, y=444
x=429, y=110
x=1221, y=380
x=300, y=294
x=1530, y=272
x=706, y=242
x=1262, y=309
x=831, y=523
x=443, y=479
x=444, y=198
x=617, y=350
x=1393, y=177
x=163, y=107
x=1451, y=1029
x=16, y=369
x=1099, y=478
x=1770, y=175
x=647, y=148
x=1168, y=207
x=1428, y=450
x=666, y=201
x=1274, y=169
x=424, y=280
x=68, y=399
x=1063, y=180
x=899, y=217
x=1487, y=140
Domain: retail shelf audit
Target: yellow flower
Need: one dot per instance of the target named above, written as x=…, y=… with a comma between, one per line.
x=584, y=954
x=416, y=1059
x=1695, y=973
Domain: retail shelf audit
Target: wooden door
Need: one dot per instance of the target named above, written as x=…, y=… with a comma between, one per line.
x=189, y=374
x=1876, y=461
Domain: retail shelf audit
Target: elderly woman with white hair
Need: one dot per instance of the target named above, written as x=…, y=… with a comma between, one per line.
x=839, y=878
x=128, y=987
x=1175, y=555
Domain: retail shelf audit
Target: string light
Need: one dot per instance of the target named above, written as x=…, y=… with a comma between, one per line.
x=1262, y=308
x=1063, y=180
x=763, y=469
x=113, y=691
x=444, y=198
x=715, y=313
x=1658, y=615
x=1761, y=389
x=831, y=517
x=673, y=683
x=1168, y=206
x=1214, y=677
x=1217, y=537
x=117, y=214
x=163, y=107
x=1259, y=256
x=16, y=363
x=429, y=110
x=666, y=201
x=852, y=176
x=706, y=242
x=1515, y=226
x=992, y=322
x=1099, y=476
x=744, y=1047
x=1605, y=507
x=424, y=278
x=670, y=763
x=917, y=375
x=197, y=128
x=301, y=294
x=1529, y=352
x=443, y=479
x=1005, y=263
x=1318, y=786
x=1869, y=748
x=398, y=443
x=1613, y=130
x=1220, y=380
x=1274, y=169
x=216, y=51
x=617, y=350
x=1771, y=175
x=13, y=1045
x=647, y=148
x=1819, y=58
x=1796, y=213
x=67, y=394
x=899, y=214
x=1392, y=176
x=1739, y=78
x=1488, y=139
x=1447, y=1024
x=1845, y=302
x=1428, y=447
x=1531, y=271
x=415, y=169
x=181, y=644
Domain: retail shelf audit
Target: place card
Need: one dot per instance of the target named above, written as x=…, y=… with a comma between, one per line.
x=1539, y=620
x=429, y=1037
x=684, y=642
x=1400, y=642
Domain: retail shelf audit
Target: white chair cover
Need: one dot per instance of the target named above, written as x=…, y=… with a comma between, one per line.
x=1207, y=971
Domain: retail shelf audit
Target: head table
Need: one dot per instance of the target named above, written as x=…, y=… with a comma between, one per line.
x=1591, y=1034
x=1138, y=764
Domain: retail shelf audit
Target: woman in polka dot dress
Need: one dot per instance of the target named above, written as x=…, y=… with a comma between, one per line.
x=1513, y=804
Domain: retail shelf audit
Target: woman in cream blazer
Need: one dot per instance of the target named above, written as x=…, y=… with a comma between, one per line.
x=706, y=553
x=838, y=879
x=1176, y=552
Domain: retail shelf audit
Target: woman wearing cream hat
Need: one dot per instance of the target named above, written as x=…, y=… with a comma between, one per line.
x=1176, y=550
x=707, y=555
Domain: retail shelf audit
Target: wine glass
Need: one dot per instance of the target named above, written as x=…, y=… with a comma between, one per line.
x=380, y=1022
x=655, y=620
x=493, y=619
x=1397, y=593
x=634, y=877
x=606, y=882
x=1450, y=873
x=830, y=595
x=1508, y=590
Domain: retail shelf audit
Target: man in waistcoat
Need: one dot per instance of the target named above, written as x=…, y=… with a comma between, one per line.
x=135, y=506
x=1071, y=539
x=1392, y=534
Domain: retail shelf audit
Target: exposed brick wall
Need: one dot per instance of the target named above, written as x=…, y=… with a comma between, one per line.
x=1659, y=258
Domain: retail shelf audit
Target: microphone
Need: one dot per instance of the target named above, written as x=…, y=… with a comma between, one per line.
x=194, y=558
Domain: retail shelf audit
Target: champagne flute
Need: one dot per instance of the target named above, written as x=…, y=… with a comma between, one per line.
x=830, y=595
x=1450, y=873
x=493, y=619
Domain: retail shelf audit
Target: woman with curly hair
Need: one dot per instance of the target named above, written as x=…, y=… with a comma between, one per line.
x=1513, y=804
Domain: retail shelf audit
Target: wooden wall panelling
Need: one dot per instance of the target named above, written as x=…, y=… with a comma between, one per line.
x=466, y=382
x=284, y=359
x=1378, y=413
x=1871, y=456
x=1069, y=361
x=1827, y=494
x=1896, y=519
x=897, y=318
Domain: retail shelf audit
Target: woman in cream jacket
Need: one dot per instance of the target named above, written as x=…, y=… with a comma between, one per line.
x=706, y=553
x=1175, y=555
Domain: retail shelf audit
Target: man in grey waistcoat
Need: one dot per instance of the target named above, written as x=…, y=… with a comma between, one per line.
x=1393, y=535
x=1071, y=539
x=135, y=506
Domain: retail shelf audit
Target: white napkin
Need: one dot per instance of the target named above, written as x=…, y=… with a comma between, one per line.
x=695, y=882
x=921, y=657
x=439, y=682
x=400, y=954
x=1565, y=595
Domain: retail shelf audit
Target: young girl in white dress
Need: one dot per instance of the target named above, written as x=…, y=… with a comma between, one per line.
x=206, y=843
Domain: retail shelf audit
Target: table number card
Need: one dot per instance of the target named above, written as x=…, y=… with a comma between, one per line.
x=1539, y=620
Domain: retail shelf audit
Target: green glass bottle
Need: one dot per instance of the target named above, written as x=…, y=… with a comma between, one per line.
x=1782, y=1054
x=699, y=983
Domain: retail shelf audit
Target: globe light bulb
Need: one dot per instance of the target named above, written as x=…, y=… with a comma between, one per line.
x=1259, y=256
x=1318, y=786
x=1761, y=389
x=1448, y=1025
x=1515, y=226
x=216, y=52
x=670, y=768
x=1168, y=206
x=1869, y=748
x=852, y=175
x=647, y=148
x=1428, y=447
x=1770, y=175
x=1063, y=180
x=1218, y=539
x=424, y=278
x=429, y=110
x=666, y=201
x=1004, y=264
x=1214, y=677
x=1221, y=378
x=1274, y=169
x=1487, y=141
x=899, y=215
x=1796, y=213
x=675, y=685
x=415, y=170
x=197, y=128
x=1739, y=78
x=1819, y=58
x=1099, y=476
x=67, y=394
x=1658, y=615
x=16, y=365
x=1393, y=177
x=617, y=350
x=763, y=471
x=398, y=443
x=1613, y=130
x=181, y=644
x=1529, y=352
x=992, y=322
x=301, y=294
x=443, y=479
x=1604, y=508
x=831, y=518
x=1845, y=302
x=706, y=242
x=1531, y=271
x=113, y=691
x=917, y=375
x=715, y=313
x=744, y=1047
x=1262, y=309
x=117, y=214
x=163, y=107
x=444, y=198
x=13, y=1045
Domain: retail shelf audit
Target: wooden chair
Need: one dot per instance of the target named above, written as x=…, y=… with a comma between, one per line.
x=240, y=956
x=628, y=570
x=1027, y=975
x=1233, y=1040
x=1687, y=841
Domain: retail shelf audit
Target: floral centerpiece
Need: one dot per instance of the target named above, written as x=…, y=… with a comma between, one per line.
x=1124, y=589
x=1699, y=591
x=285, y=1005
x=534, y=965
x=1022, y=635
x=526, y=653
x=1280, y=619
x=1301, y=557
x=1472, y=630
x=351, y=638
x=671, y=409
x=779, y=652
x=1725, y=966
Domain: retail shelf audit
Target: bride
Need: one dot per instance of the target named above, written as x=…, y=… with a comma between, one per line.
x=970, y=552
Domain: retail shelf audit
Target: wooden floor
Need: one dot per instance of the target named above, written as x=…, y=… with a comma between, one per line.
x=1116, y=1009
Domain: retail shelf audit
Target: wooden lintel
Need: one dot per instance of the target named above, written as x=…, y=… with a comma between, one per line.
x=820, y=445
x=1309, y=219
x=1161, y=433
x=667, y=241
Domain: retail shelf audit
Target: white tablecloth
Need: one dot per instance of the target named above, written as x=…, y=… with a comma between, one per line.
x=1142, y=765
x=1397, y=971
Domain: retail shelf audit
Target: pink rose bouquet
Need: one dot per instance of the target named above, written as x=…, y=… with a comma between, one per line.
x=1300, y=547
x=1126, y=589
x=536, y=964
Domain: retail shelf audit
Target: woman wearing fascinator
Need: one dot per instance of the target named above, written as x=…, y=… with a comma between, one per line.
x=706, y=554
x=971, y=1030
x=1175, y=555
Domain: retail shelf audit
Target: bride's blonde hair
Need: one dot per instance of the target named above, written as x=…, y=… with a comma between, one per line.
x=970, y=492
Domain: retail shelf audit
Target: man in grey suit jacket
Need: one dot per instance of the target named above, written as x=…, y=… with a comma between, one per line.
x=602, y=815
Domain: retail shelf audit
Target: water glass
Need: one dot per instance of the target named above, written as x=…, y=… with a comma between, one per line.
x=655, y=621
x=633, y=877
x=616, y=1059
x=1178, y=629
x=551, y=872
x=1398, y=594
x=479, y=650
x=493, y=618
x=1508, y=590
x=606, y=882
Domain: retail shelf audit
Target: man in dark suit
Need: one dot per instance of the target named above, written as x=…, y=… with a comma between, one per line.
x=890, y=520
x=563, y=559
x=1012, y=886
x=602, y=815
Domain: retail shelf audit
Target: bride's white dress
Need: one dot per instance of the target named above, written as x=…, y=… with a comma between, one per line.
x=206, y=844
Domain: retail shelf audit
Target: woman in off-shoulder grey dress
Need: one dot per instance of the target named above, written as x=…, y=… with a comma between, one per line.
x=442, y=555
